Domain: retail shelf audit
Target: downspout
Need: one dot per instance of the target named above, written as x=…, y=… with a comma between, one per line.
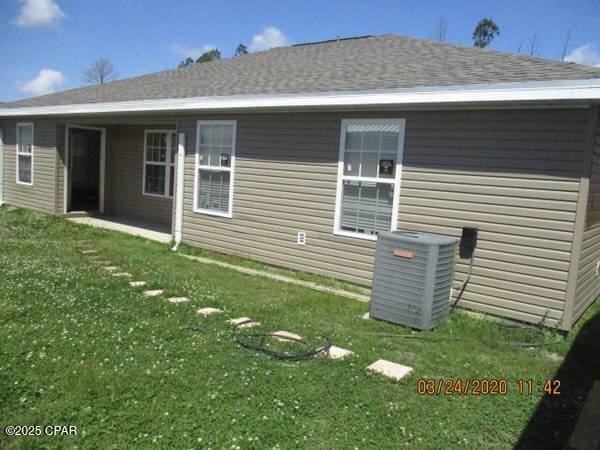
x=179, y=190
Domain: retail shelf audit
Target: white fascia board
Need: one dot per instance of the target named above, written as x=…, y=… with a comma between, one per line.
x=534, y=91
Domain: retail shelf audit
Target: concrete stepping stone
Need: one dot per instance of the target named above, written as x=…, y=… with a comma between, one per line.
x=178, y=299
x=285, y=336
x=390, y=369
x=153, y=293
x=82, y=241
x=249, y=324
x=137, y=283
x=338, y=353
x=243, y=322
x=121, y=274
x=208, y=311
x=88, y=252
x=110, y=268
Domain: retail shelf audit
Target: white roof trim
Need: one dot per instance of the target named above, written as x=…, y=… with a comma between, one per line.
x=560, y=90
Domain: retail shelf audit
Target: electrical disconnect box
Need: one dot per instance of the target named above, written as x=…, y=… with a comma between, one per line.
x=413, y=277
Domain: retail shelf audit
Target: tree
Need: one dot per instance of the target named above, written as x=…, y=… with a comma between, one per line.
x=534, y=44
x=441, y=30
x=186, y=62
x=101, y=71
x=211, y=55
x=485, y=32
x=241, y=50
x=566, y=45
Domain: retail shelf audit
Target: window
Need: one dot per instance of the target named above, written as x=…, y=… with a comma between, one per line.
x=159, y=162
x=25, y=153
x=370, y=165
x=215, y=156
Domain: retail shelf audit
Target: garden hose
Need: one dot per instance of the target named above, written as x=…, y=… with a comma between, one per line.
x=257, y=342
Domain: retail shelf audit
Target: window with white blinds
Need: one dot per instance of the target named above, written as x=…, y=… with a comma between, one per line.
x=25, y=153
x=370, y=166
x=215, y=156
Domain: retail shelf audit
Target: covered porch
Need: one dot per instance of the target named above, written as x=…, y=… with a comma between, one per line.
x=118, y=173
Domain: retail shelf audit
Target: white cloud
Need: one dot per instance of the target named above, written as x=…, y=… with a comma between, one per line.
x=38, y=13
x=191, y=52
x=45, y=82
x=269, y=37
x=586, y=54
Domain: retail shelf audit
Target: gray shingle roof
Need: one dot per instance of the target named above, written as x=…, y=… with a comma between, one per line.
x=371, y=62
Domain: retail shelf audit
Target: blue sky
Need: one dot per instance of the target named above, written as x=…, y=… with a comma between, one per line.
x=46, y=44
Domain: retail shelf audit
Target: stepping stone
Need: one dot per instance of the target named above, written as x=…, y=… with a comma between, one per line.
x=110, y=268
x=243, y=322
x=338, y=353
x=286, y=336
x=389, y=369
x=82, y=241
x=179, y=299
x=249, y=324
x=153, y=293
x=88, y=252
x=137, y=283
x=366, y=316
x=208, y=311
x=121, y=274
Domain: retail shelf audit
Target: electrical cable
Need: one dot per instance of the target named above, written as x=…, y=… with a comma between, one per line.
x=463, y=285
x=247, y=340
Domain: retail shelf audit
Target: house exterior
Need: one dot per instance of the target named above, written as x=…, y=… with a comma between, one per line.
x=299, y=156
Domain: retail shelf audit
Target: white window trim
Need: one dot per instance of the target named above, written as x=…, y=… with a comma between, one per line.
x=167, y=163
x=230, y=169
x=24, y=124
x=337, y=229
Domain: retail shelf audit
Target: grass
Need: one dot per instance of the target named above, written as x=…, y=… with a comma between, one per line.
x=80, y=347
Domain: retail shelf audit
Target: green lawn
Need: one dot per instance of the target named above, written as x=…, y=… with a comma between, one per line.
x=80, y=347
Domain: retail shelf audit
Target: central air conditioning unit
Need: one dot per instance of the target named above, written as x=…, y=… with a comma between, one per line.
x=413, y=277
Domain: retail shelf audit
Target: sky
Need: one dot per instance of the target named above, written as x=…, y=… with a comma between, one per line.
x=46, y=44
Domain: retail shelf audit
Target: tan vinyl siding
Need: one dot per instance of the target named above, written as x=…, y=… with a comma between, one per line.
x=588, y=283
x=124, y=177
x=514, y=174
x=41, y=196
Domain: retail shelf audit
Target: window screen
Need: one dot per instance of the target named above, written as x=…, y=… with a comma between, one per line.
x=215, y=152
x=25, y=153
x=368, y=175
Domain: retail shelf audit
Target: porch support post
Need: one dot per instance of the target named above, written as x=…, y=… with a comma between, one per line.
x=179, y=189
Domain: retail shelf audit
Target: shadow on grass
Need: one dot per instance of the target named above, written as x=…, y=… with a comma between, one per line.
x=553, y=421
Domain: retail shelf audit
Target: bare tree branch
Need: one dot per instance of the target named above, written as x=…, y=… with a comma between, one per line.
x=101, y=71
x=441, y=30
x=534, y=44
x=566, y=45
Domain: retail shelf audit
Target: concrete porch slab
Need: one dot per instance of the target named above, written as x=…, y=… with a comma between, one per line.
x=390, y=369
x=143, y=229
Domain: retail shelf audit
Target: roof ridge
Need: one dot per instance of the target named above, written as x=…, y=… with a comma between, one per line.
x=491, y=51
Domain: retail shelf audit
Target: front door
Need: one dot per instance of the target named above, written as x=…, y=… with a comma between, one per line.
x=84, y=170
